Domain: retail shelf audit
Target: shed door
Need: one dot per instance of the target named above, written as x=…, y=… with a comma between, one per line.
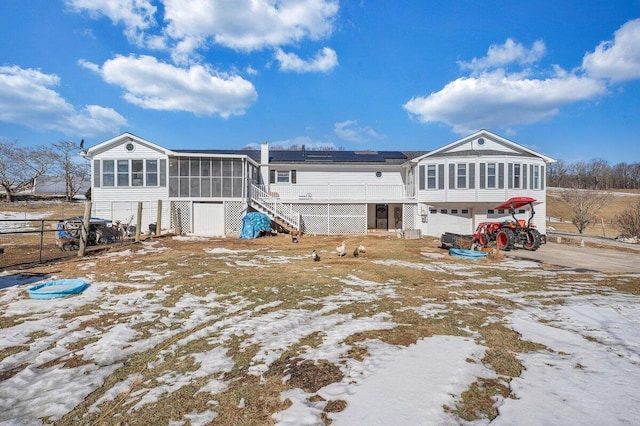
x=208, y=219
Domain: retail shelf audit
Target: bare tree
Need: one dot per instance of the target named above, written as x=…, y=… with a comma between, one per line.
x=558, y=173
x=20, y=166
x=584, y=204
x=71, y=167
x=599, y=173
x=628, y=221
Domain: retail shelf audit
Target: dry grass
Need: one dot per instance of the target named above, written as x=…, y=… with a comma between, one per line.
x=558, y=208
x=283, y=272
x=292, y=283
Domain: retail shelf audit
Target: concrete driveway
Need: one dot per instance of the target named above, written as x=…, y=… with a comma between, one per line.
x=573, y=256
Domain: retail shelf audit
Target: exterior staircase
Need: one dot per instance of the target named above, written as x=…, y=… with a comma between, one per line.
x=266, y=203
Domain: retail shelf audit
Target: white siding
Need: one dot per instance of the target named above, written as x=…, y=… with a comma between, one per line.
x=119, y=203
x=347, y=176
x=492, y=195
x=488, y=145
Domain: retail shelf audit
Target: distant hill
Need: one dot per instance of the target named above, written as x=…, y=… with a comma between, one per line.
x=558, y=209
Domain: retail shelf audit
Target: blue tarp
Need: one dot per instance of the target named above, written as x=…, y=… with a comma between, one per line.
x=253, y=223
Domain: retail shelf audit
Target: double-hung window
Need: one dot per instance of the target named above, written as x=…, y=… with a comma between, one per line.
x=137, y=172
x=491, y=175
x=108, y=173
x=431, y=176
x=152, y=172
x=516, y=176
x=282, y=176
x=461, y=176
x=123, y=172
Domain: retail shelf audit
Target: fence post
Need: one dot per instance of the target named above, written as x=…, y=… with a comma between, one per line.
x=41, y=240
x=139, y=221
x=174, y=215
x=84, y=231
x=159, y=218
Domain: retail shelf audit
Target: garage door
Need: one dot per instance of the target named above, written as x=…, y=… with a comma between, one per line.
x=455, y=220
x=208, y=219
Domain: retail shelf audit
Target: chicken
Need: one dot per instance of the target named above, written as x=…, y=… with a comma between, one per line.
x=316, y=257
x=362, y=249
x=341, y=249
x=294, y=239
x=355, y=252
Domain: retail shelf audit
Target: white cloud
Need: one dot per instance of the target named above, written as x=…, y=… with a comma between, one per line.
x=324, y=61
x=617, y=60
x=497, y=100
x=156, y=85
x=501, y=93
x=249, y=24
x=508, y=53
x=188, y=26
x=350, y=131
x=136, y=15
x=27, y=98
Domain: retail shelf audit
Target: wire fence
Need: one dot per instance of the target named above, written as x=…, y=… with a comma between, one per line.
x=33, y=241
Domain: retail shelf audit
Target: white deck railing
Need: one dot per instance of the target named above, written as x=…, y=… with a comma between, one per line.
x=274, y=206
x=362, y=192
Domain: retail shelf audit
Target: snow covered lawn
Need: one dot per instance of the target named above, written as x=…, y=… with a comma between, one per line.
x=193, y=331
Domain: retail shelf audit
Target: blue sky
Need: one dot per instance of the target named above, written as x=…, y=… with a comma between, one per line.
x=560, y=77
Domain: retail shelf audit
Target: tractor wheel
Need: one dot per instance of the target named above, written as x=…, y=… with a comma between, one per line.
x=533, y=240
x=504, y=239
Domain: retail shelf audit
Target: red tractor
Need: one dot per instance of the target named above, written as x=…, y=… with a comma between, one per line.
x=511, y=233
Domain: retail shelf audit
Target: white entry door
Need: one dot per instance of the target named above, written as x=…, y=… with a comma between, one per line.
x=208, y=219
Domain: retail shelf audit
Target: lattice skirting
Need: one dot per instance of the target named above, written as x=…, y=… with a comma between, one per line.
x=409, y=213
x=234, y=211
x=181, y=221
x=333, y=219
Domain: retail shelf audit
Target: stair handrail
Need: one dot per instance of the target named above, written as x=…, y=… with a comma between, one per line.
x=271, y=204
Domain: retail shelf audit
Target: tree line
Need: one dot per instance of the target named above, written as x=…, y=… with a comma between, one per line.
x=596, y=174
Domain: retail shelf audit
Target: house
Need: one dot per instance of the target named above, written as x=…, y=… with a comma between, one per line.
x=207, y=192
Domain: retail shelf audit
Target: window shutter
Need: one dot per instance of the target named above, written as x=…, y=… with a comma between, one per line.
x=472, y=175
x=96, y=173
x=531, y=177
x=524, y=176
x=452, y=176
x=542, y=176
x=500, y=175
x=440, y=176
x=483, y=175
x=421, y=178
x=272, y=176
x=510, y=177
x=163, y=172
x=293, y=176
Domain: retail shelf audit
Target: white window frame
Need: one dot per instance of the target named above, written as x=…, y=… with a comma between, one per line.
x=432, y=176
x=490, y=176
x=283, y=176
x=517, y=175
x=462, y=178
